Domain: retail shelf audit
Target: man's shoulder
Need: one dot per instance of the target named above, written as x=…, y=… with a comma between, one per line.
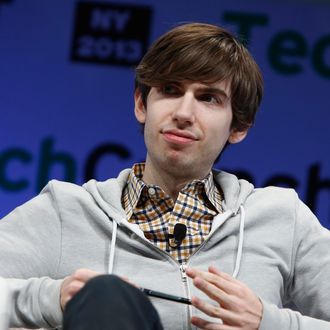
x=65, y=187
x=279, y=201
x=233, y=180
x=277, y=193
x=93, y=192
x=71, y=188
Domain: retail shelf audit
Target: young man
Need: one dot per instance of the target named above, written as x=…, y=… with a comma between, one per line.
x=243, y=253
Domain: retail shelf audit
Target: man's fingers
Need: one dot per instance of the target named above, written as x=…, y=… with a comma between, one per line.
x=202, y=324
x=212, y=274
x=73, y=283
x=73, y=287
x=211, y=310
x=84, y=274
x=221, y=280
x=223, y=275
x=213, y=292
x=206, y=325
x=69, y=291
x=127, y=280
x=215, y=310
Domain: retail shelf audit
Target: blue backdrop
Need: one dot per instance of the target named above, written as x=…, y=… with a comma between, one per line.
x=66, y=87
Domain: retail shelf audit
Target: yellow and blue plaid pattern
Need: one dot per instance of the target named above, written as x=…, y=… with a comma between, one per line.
x=156, y=213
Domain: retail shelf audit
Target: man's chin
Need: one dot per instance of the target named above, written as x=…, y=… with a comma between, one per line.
x=182, y=167
x=175, y=159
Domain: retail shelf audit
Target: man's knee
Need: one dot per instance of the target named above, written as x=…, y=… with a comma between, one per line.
x=110, y=300
x=104, y=283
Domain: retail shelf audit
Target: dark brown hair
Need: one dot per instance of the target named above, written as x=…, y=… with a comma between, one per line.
x=205, y=53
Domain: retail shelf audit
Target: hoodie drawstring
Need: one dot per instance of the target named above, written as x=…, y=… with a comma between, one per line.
x=112, y=247
x=240, y=242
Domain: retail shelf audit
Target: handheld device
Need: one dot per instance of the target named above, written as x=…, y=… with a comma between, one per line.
x=166, y=296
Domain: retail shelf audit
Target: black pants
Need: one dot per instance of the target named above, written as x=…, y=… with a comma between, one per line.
x=107, y=302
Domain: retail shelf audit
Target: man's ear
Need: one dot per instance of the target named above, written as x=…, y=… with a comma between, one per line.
x=139, y=108
x=237, y=136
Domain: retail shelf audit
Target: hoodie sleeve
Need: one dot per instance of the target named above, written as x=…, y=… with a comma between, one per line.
x=30, y=246
x=275, y=318
x=308, y=286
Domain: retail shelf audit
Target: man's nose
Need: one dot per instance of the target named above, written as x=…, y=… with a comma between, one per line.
x=184, y=111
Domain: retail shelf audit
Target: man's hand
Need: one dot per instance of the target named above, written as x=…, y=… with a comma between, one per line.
x=236, y=305
x=73, y=283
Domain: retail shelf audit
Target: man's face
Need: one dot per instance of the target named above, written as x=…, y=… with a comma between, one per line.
x=186, y=126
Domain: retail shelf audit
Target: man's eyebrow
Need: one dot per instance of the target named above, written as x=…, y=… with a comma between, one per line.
x=214, y=90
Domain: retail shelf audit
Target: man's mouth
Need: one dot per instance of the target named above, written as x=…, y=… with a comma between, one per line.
x=179, y=136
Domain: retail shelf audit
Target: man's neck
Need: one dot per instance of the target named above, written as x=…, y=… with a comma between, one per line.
x=170, y=183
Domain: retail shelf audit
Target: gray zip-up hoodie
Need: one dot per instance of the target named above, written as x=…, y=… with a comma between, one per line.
x=266, y=238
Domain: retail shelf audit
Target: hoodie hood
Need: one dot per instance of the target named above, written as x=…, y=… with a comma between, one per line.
x=107, y=195
x=235, y=190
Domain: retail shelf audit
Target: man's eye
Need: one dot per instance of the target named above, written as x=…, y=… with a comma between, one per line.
x=169, y=90
x=209, y=98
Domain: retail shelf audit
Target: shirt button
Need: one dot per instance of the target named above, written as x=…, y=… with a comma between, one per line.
x=151, y=191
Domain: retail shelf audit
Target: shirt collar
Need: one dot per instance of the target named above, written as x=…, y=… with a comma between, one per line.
x=137, y=190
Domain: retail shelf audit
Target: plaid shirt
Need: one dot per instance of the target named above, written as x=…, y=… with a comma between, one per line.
x=156, y=213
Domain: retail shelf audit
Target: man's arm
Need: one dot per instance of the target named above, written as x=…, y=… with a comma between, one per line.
x=239, y=308
x=308, y=287
x=30, y=244
x=34, y=302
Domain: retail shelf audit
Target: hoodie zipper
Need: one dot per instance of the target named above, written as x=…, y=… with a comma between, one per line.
x=184, y=279
x=183, y=268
